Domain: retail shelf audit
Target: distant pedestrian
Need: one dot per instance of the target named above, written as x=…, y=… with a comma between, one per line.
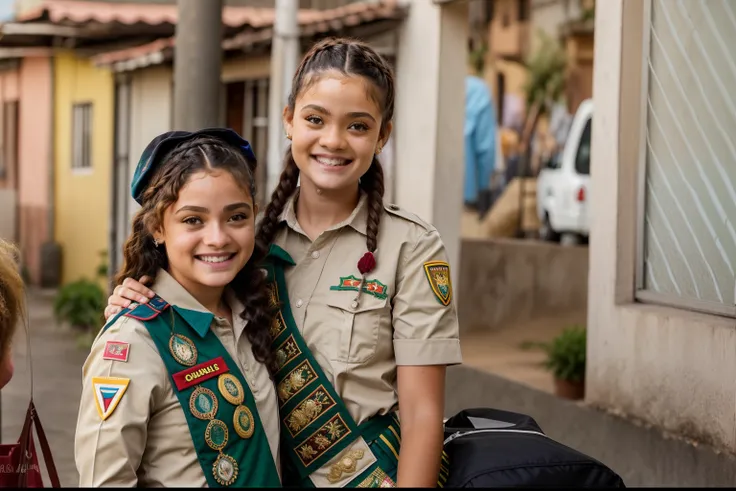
x=480, y=144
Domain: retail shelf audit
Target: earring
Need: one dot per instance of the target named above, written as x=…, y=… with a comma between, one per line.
x=155, y=242
x=378, y=150
x=288, y=136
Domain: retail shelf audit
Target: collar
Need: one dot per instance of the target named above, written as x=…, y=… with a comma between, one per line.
x=358, y=219
x=198, y=317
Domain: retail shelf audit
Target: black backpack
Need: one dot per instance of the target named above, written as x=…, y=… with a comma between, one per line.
x=492, y=448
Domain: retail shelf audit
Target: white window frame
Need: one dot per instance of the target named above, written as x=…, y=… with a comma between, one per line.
x=640, y=293
x=81, y=150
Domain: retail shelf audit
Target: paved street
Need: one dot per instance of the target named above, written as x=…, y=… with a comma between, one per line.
x=57, y=364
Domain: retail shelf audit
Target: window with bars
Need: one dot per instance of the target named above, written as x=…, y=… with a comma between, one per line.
x=687, y=249
x=82, y=136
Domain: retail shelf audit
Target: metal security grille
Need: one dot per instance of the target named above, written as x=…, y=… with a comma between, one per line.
x=689, y=191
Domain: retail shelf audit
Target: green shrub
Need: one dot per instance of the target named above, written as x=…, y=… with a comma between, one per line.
x=566, y=354
x=81, y=304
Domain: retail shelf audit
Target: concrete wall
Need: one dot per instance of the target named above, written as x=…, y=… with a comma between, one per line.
x=507, y=281
x=151, y=112
x=669, y=367
x=428, y=125
x=641, y=456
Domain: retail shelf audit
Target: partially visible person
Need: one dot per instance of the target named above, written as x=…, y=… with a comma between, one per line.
x=11, y=308
x=480, y=144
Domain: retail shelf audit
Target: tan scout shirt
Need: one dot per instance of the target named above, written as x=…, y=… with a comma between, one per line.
x=146, y=440
x=360, y=347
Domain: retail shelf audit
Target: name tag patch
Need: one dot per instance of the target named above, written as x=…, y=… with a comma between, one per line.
x=116, y=351
x=199, y=373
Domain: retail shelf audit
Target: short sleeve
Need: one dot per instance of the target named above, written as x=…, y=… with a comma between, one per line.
x=424, y=317
x=119, y=380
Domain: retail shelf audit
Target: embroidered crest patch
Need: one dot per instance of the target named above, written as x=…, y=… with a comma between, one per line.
x=438, y=274
x=116, y=351
x=108, y=392
x=372, y=287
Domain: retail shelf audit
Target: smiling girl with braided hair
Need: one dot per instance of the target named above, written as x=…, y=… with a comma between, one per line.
x=365, y=323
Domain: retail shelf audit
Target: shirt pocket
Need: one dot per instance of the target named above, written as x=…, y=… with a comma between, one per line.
x=357, y=326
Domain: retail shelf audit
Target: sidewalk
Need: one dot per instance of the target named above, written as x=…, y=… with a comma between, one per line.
x=500, y=352
x=57, y=373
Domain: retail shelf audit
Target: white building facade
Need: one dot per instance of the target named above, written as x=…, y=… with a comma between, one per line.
x=661, y=317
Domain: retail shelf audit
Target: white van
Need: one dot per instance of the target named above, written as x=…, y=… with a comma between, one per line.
x=562, y=185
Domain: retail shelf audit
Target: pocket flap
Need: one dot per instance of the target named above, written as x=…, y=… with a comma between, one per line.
x=346, y=301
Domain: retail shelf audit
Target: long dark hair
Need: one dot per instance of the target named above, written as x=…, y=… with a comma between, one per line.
x=142, y=256
x=351, y=58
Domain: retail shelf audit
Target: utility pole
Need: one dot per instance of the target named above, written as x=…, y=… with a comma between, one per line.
x=197, y=64
x=284, y=61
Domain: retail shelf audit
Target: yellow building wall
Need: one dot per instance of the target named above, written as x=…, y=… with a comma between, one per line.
x=82, y=198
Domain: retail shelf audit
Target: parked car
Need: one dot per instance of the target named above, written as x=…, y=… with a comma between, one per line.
x=562, y=185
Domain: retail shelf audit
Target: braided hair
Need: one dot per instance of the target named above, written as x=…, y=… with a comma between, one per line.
x=142, y=257
x=349, y=57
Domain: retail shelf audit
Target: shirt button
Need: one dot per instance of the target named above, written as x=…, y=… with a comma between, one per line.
x=315, y=255
x=299, y=303
x=354, y=305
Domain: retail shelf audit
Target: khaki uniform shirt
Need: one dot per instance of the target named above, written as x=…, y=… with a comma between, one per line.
x=360, y=345
x=146, y=440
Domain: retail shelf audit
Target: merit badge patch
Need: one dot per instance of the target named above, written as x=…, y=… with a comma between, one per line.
x=116, y=351
x=371, y=287
x=438, y=274
x=108, y=392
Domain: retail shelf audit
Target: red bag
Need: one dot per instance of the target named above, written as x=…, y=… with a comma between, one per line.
x=19, y=462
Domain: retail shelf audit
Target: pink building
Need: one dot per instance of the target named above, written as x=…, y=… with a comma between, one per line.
x=25, y=155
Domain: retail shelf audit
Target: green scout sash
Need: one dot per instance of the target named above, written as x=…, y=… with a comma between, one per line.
x=223, y=420
x=315, y=424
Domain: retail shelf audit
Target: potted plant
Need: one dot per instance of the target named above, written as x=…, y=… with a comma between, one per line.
x=566, y=361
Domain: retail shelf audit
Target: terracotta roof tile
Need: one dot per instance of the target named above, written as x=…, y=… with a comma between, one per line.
x=310, y=22
x=79, y=12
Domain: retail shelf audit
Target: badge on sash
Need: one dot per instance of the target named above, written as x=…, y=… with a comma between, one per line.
x=183, y=350
x=231, y=389
x=108, y=392
x=225, y=469
x=243, y=422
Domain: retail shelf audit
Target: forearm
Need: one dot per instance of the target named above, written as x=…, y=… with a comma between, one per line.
x=421, y=449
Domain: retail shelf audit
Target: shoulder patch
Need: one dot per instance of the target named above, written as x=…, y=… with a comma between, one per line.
x=116, y=351
x=147, y=311
x=438, y=274
x=108, y=391
x=407, y=215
